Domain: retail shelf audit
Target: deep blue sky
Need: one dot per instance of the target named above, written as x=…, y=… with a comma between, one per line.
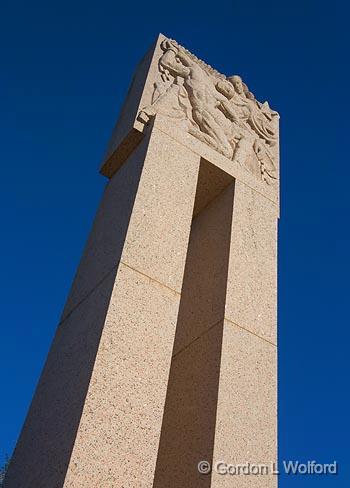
x=65, y=69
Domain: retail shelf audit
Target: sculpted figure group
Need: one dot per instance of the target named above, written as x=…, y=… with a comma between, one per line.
x=217, y=110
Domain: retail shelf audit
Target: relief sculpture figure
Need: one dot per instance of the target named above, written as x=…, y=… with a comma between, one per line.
x=244, y=112
x=219, y=111
x=207, y=120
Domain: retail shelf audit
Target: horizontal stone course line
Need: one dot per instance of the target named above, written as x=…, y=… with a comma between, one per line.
x=214, y=325
x=197, y=338
x=98, y=284
x=168, y=288
x=150, y=278
x=104, y=278
x=201, y=156
x=250, y=332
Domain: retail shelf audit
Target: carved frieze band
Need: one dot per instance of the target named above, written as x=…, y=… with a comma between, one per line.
x=217, y=110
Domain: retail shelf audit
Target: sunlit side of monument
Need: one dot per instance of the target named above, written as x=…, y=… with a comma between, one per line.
x=165, y=354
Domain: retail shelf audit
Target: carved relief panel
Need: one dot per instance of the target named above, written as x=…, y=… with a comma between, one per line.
x=218, y=110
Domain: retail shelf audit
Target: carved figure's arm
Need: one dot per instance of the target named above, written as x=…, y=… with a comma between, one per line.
x=229, y=112
x=219, y=96
x=168, y=59
x=185, y=60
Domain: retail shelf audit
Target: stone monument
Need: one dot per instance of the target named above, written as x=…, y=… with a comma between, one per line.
x=165, y=354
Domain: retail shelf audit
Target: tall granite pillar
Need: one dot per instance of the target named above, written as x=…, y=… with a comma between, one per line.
x=165, y=354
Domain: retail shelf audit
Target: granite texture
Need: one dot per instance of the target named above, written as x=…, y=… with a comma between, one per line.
x=45, y=445
x=136, y=96
x=246, y=419
x=105, y=244
x=204, y=287
x=131, y=371
x=128, y=131
x=118, y=436
x=157, y=237
x=133, y=248
x=232, y=168
x=188, y=428
x=252, y=277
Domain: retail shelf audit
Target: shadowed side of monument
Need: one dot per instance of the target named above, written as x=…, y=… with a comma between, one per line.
x=44, y=449
x=188, y=427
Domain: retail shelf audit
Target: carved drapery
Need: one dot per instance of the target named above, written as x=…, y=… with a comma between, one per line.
x=217, y=110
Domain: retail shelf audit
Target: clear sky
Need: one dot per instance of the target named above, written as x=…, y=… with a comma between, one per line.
x=65, y=69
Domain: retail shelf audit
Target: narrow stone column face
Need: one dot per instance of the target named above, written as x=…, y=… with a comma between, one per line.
x=246, y=427
x=165, y=354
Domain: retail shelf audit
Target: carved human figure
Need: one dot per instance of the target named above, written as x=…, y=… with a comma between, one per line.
x=170, y=99
x=241, y=107
x=241, y=136
x=258, y=116
x=219, y=111
x=210, y=123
